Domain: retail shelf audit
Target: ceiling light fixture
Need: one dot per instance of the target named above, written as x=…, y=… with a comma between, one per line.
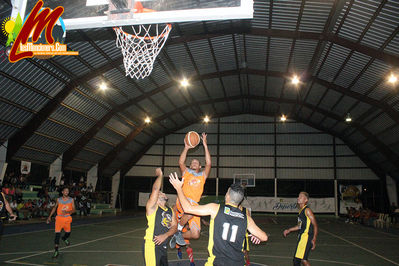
x=348, y=118
x=295, y=80
x=392, y=79
x=184, y=83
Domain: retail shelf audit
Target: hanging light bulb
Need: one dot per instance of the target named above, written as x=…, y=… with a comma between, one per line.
x=348, y=118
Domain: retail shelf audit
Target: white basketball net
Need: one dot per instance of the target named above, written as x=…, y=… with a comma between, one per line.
x=140, y=49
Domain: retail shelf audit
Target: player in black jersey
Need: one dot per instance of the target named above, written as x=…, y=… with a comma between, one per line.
x=4, y=208
x=161, y=225
x=308, y=229
x=228, y=225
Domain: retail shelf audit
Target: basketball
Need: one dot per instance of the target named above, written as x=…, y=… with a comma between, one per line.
x=192, y=139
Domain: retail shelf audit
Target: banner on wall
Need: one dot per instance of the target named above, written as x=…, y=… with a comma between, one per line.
x=25, y=167
x=115, y=188
x=350, y=197
x=92, y=176
x=269, y=204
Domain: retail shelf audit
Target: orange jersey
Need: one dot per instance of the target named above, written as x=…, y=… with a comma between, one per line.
x=193, y=185
x=64, y=206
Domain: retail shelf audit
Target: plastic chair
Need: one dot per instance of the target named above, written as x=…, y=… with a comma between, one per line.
x=378, y=223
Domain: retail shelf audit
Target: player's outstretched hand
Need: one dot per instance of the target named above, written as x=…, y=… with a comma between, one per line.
x=158, y=240
x=313, y=244
x=255, y=240
x=175, y=181
x=204, y=141
x=158, y=172
x=286, y=232
x=48, y=220
x=13, y=217
x=186, y=146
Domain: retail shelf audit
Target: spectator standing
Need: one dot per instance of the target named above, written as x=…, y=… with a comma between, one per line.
x=14, y=207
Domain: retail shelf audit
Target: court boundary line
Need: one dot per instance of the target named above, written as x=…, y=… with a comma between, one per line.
x=356, y=245
x=15, y=261
x=79, y=225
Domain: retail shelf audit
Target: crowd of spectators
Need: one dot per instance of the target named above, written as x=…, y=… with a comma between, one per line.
x=45, y=195
x=367, y=216
x=362, y=216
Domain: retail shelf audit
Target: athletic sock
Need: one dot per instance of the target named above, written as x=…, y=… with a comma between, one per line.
x=180, y=227
x=190, y=254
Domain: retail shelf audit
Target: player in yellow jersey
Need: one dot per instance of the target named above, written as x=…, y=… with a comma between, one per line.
x=161, y=225
x=193, y=187
x=64, y=206
x=307, y=231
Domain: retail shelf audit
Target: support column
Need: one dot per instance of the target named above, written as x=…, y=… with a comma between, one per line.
x=217, y=159
x=335, y=178
x=163, y=158
x=3, y=158
x=275, y=159
x=115, y=188
x=92, y=177
x=55, y=170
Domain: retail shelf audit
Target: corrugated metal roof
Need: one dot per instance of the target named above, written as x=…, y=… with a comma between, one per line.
x=19, y=94
x=41, y=80
x=13, y=114
x=285, y=14
x=72, y=118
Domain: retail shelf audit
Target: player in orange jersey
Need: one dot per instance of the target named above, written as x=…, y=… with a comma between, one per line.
x=193, y=187
x=65, y=206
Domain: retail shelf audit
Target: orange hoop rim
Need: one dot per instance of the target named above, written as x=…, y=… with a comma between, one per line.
x=146, y=38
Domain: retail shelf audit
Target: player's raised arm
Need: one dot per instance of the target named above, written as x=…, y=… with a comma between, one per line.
x=208, y=161
x=183, y=156
x=256, y=231
x=200, y=210
x=312, y=219
x=156, y=187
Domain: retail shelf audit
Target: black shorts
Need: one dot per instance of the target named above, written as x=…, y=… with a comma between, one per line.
x=303, y=246
x=155, y=255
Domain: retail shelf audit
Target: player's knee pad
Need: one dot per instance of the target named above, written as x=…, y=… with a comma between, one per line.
x=57, y=238
x=297, y=262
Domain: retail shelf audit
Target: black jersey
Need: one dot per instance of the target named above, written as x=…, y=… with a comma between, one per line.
x=304, y=223
x=159, y=222
x=226, y=236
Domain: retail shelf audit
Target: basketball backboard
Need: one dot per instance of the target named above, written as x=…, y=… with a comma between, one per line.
x=83, y=14
x=246, y=180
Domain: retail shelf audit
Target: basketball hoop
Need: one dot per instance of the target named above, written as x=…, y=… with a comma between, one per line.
x=140, y=49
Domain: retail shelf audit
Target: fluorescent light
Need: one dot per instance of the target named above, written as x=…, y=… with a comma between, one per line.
x=206, y=119
x=283, y=118
x=147, y=120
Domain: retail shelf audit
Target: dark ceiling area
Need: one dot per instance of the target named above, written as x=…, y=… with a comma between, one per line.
x=342, y=52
